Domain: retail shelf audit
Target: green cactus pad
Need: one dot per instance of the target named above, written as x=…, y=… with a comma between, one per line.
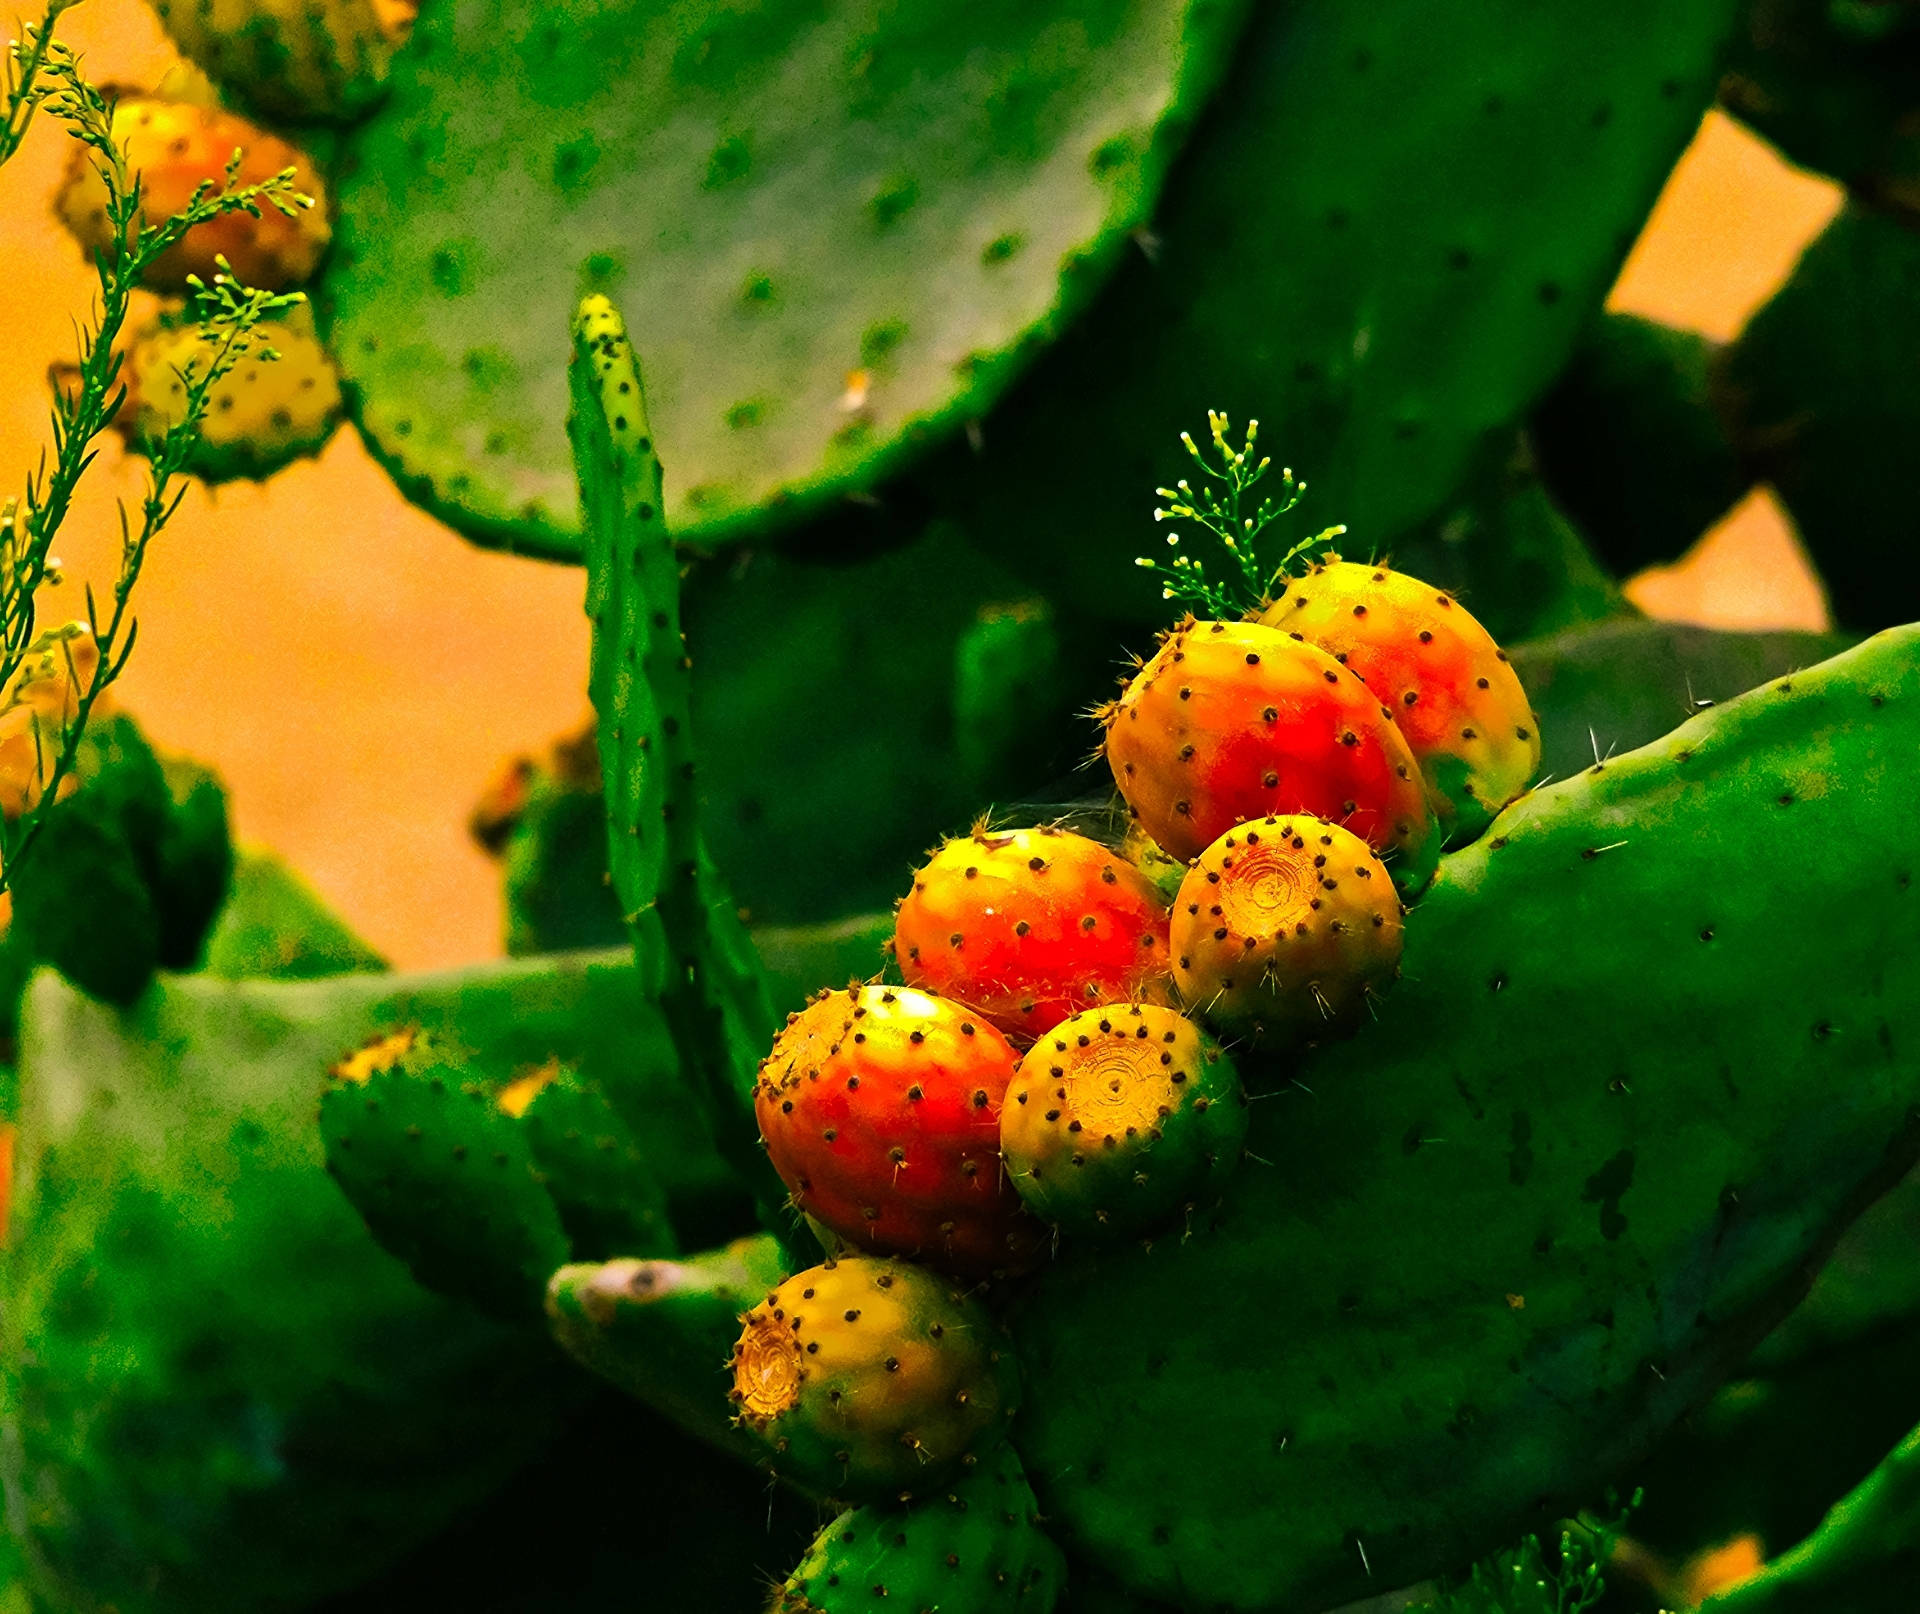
x=829, y=716
x=1587, y=1157
x=1631, y=444
x=82, y=902
x=127, y=874
x=1821, y=391
x=1612, y=687
x=662, y=1330
x=975, y=1548
x=446, y=1181
x=220, y=1392
x=1384, y=243
x=838, y=228
x=596, y=1172
x=274, y=925
x=1834, y=85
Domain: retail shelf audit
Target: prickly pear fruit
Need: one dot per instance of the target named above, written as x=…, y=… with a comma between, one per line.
x=881, y=1111
x=296, y=59
x=1119, y=1117
x=1028, y=925
x=175, y=147
x=1285, y=930
x=1453, y=693
x=975, y=1547
x=1232, y=721
x=263, y=415
x=871, y=1379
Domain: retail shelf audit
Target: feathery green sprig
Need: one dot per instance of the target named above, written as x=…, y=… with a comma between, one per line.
x=1222, y=511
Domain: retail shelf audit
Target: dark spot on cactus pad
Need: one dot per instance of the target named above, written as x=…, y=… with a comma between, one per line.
x=1549, y=292
x=1606, y=1188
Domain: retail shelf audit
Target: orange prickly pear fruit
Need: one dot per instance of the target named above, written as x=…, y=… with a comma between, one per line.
x=1286, y=929
x=880, y=1108
x=1028, y=925
x=1232, y=721
x=1453, y=692
x=175, y=147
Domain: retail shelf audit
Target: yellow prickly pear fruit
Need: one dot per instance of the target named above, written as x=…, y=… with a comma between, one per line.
x=298, y=59
x=261, y=415
x=871, y=1379
x=1285, y=930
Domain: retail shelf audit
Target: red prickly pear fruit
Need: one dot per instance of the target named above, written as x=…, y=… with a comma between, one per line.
x=175, y=147
x=1453, y=692
x=881, y=1111
x=1233, y=721
x=1119, y=1117
x=1285, y=930
x=871, y=1380
x=1028, y=925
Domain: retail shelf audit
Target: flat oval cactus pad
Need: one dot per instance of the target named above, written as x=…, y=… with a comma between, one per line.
x=833, y=227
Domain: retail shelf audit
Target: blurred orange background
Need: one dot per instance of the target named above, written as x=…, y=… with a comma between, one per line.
x=358, y=674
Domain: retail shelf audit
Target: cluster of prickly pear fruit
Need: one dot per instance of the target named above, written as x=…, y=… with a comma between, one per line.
x=283, y=400
x=1033, y=1069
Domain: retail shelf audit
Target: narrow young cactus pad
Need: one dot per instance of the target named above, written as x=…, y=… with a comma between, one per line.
x=219, y=1391
x=1383, y=299
x=676, y=906
x=976, y=1547
x=840, y=228
x=1653, y=1049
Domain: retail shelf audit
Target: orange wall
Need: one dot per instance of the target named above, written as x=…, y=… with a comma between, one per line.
x=357, y=674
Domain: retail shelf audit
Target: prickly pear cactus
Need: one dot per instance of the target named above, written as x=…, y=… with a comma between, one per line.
x=1506, y=1257
x=838, y=231
x=293, y=59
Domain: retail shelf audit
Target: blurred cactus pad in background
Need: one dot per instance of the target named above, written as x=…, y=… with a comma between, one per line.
x=1417, y=1102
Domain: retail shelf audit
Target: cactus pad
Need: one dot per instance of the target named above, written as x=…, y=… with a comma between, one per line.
x=446, y=1182
x=838, y=229
x=1523, y=1223
x=1413, y=292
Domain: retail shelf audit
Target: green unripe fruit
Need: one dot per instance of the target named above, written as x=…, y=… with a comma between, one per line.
x=1119, y=1117
x=1286, y=930
x=976, y=1548
x=871, y=1379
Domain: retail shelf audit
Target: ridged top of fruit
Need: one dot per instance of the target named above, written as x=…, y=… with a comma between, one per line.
x=835, y=229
